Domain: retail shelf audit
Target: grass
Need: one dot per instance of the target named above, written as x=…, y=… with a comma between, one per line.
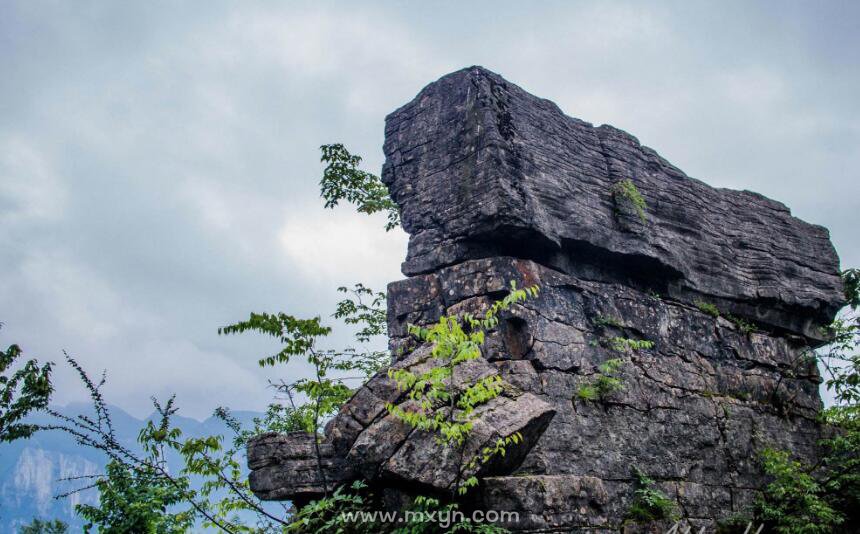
x=626, y=191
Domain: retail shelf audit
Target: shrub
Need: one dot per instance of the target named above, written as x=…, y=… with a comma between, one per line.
x=604, y=383
x=625, y=191
x=607, y=320
x=707, y=307
x=623, y=344
x=792, y=502
x=649, y=503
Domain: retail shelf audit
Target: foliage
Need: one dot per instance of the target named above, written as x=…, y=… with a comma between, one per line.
x=606, y=380
x=607, y=320
x=851, y=283
x=138, y=498
x=745, y=327
x=649, y=503
x=811, y=499
x=333, y=513
x=349, y=511
x=132, y=502
x=343, y=180
x=365, y=308
x=707, y=307
x=623, y=344
x=424, y=506
x=793, y=502
x=604, y=383
x=39, y=526
x=22, y=392
x=626, y=191
x=300, y=337
x=440, y=407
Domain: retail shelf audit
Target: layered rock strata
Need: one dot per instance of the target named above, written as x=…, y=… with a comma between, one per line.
x=727, y=287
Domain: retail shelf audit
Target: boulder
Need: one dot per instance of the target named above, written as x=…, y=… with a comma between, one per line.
x=717, y=298
x=481, y=168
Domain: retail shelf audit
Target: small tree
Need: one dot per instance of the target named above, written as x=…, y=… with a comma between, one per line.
x=23, y=391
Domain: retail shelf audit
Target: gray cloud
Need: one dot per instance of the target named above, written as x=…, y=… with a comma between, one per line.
x=159, y=163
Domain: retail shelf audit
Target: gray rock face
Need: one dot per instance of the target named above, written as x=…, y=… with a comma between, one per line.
x=497, y=185
x=481, y=168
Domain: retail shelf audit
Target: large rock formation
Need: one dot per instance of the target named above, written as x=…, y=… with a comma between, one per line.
x=495, y=185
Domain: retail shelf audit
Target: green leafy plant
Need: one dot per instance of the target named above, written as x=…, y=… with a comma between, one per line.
x=623, y=344
x=607, y=320
x=138, y=499
x=625, y=192
x=707, y=307
x=425, y=506
x=22, y=392
x=649, y=504
x=824, y=497
x=343, y=180
x=851, y=283
x=299, y=338
x=441, y=409
x=745, y=327
x=336, y=513
x=792, y=503
x=39, y=526
x=604, y=382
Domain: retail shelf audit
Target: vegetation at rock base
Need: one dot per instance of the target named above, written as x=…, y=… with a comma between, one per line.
x=707, y=307
x=339, y=511
x=623, y=344
x=649, y=503
x=793, y=502
x=607, y=320
x=604, y=382
x=626, y=192
x=442, y=409
x=825, y=497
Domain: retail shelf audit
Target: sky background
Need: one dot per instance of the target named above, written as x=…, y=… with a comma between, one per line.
x=159, y=161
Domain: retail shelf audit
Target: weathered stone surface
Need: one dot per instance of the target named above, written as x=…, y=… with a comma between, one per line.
x=364, y=441
x=497, y=185
x=424, y=460
x=694, y=411
x=481, y=168
x=268, y=453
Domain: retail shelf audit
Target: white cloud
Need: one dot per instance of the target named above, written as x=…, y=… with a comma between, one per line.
x=30, y=189
x=341, y=246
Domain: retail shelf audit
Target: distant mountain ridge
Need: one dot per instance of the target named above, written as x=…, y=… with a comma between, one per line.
x=31, y=471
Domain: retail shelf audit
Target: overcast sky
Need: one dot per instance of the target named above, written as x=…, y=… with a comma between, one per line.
x=159, y=160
